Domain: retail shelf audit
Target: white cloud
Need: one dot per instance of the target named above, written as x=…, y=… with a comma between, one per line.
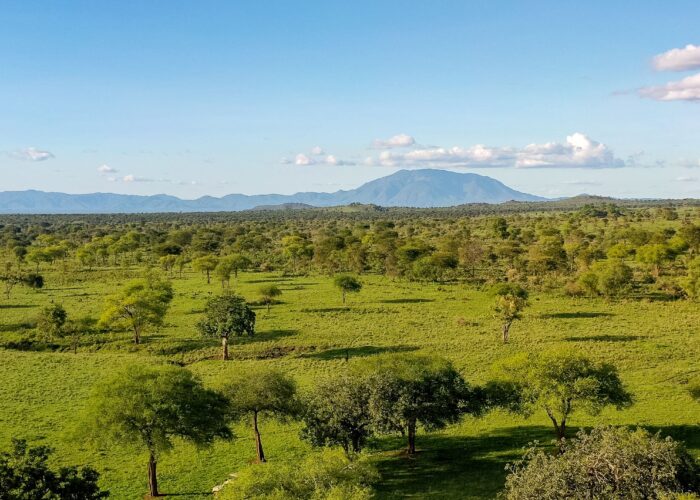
x=578, y=151
x=106, y=169
x=397, y=141
x=687, y=89
x=682, y=59
x=302, y=159
x=317, y=151
x=687, y=179
x=133, y=178
x=32, y=154
x=332, y=160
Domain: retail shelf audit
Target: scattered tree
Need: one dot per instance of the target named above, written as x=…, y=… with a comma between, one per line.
x=141, y=304
x=51, y=321
x=224, y=316
x=511, y=300
x=145, y=407
x=261, y=391
x=561, y=383
x=205, y=264
x=347, y=284
x=268, y=294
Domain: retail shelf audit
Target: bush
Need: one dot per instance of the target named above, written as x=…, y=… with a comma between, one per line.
x=326, y=475
x=607, y=463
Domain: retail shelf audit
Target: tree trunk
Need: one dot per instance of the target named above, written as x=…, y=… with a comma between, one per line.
x=258, y=442
x=343, y=297
x=506, y=332
x=137, y=336
x=411, y=437
x=559, y=429
x=356, y=443
x=152, y=478
x=208, y=278
x=268, y=305
x=224, y=348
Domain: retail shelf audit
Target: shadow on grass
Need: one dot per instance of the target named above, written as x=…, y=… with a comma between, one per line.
x=17, y=306
x=578, y=315
x=15, y=327
x=605, y=338
x=454, y=467
x=266, y=336
x=688, y=434
x=355, y=352
x=327, y=309
x=406, y=301
x=269, y=280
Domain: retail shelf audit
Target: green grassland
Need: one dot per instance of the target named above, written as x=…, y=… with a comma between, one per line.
x=655, y=345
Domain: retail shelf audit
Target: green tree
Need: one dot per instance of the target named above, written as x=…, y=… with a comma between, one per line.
x=206, y=265
x=25, y=475
x=511, y=300
x=607, y=463
x=268, y=293
x=51, y=321
x=259, y=392
x=337, y=411
x=561, y=383
x=406, y=390
x=614, y=277
x=140, y=304
x=653, y=255
x=691, y=283
x=146, y=407
x=347, y=284
x=225, y=316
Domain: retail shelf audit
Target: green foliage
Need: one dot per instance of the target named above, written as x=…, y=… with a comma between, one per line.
x=347, y=284
x=511, y=300
x=226, y=316
x=324, y=475
x=146, y=407
x=561, y=383
x=407, y=389
x=51, y=321
x=337, y=411
x=140, y=304
x=25, y=474
x=691, y=284
x=260, y=391
x=205, y=264
x=268, y=293
x=607, y=463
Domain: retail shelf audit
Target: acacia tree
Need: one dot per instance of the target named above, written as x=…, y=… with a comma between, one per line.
x=347, y=284
x=337, y=412
x=261, y=391
x=205, y=264
x=145, y=407
x=608, y=462
x=25, y=474
x=141, y=304
x=511, y=300
x=51, y=321
x=561, y=383
x=268, y=294
x=224, y=316
x=406, y=390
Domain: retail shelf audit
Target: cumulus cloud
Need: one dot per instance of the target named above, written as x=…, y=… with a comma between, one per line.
x=317, y=157
x=302, y=159
x=397, y=141
x=682, y=59
x=687, y=89
x=32, y=154
x=578, y=151
x=316, y=151
x=106, y=169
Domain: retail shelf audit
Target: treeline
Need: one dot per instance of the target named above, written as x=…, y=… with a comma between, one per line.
x=595, y=250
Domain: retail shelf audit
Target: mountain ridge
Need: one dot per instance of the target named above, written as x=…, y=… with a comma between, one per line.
x=426, y=188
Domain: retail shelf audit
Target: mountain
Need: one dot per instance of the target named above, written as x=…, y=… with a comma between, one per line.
x=405, y=188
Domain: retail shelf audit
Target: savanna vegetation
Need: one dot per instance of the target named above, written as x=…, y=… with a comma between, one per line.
x=527, y=351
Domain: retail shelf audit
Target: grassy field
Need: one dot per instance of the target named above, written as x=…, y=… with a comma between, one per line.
x=655, y=345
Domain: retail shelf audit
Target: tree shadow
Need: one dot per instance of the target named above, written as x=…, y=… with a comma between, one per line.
x=266, y=336
x=444, y=465
x=577, y=315
x=326, y=309
x=15, y=327
x=268, y=280
x=186, y=346
x=355, y=352
x=688, y=434
x=406, y=301
x=605, y=338
x=17, y=306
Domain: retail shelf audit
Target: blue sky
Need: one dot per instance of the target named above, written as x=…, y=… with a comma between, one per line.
x=194, y=98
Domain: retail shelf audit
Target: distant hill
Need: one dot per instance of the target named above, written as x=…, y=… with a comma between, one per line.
x=407, y=188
